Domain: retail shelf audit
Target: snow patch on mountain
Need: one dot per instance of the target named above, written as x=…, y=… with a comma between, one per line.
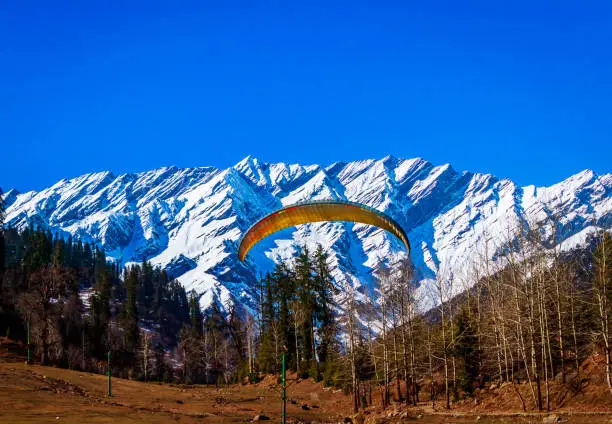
x=190, y=220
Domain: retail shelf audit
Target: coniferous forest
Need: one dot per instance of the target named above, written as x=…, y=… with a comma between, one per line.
x=532, y=321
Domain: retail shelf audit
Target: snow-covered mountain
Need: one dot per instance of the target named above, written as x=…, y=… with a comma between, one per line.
x=190, y=221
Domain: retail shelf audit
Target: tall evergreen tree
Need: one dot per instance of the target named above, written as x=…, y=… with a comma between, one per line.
x=130, y=314
x=146, y=290
x=284, y=284
x=86, y=256
x=466, y=349
x=195, y=314
x=324, y=291
x=304, y=307
x=270, y=340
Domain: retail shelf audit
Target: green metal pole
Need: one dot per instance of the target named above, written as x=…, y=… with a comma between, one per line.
x=109, y=374
x=284, y=416
x=29, y=342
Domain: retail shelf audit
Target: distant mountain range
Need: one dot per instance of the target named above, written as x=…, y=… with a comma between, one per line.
x=190, y=220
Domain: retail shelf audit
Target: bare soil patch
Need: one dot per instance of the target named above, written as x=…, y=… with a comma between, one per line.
x=34, y=393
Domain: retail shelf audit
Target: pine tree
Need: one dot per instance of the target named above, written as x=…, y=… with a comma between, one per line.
x=284, y=281
x=195, y=315
x=324, y=291
x=163, y=371
x=100, y=301
x=268, y=356
x=102, y=285
x=130, y=311
x=146, y=290
x=38, y=249
x=466, y=349
x=304, y=305
x=78, y=254
x=87, y=256
x=70, y=252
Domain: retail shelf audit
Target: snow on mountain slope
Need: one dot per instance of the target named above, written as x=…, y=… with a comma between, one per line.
x=190, y=221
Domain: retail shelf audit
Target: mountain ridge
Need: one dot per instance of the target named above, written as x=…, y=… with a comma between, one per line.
x=190, y=220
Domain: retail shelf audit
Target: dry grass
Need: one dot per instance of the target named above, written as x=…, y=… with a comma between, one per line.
x=35, y=394
x=40, y=394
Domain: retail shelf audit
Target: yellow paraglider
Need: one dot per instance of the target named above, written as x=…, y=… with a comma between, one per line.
x=317, y=211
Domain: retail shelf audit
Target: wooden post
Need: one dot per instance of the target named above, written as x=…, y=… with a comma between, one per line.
x=109, y=374
x=284, y=395
x=29, y=357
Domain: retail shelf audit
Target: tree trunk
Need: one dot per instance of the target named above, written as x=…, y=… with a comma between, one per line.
x=404, y=350
x=385, y=354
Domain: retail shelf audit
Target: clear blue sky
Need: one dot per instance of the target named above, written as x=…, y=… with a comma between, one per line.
x=521, y=89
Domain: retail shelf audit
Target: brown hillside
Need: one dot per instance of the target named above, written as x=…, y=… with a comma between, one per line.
x=33, y=394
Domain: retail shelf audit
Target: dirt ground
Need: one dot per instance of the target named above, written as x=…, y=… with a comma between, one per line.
x=34, y=393
x=37, y=394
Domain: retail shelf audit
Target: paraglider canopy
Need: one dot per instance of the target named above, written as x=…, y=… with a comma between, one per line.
x=317, y=211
